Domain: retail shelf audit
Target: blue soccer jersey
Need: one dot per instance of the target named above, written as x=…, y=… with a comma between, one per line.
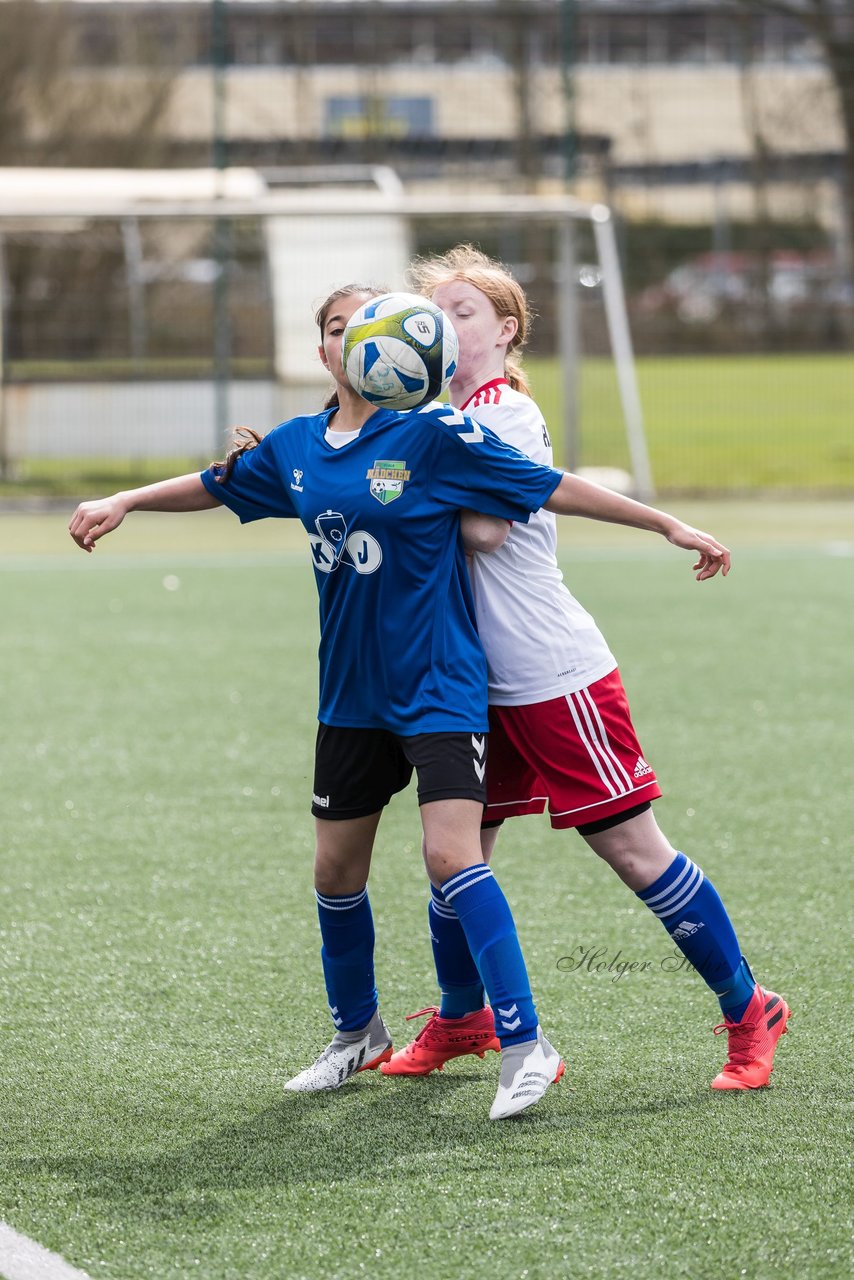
x=398, y=642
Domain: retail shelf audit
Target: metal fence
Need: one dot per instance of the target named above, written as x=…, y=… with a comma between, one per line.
x=132, y=344
x=714, y=140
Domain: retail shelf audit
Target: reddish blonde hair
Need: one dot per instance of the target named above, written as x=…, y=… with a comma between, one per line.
x=494, y=280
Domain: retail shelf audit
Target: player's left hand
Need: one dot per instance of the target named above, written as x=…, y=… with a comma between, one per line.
x=713, y=555
x=93, y=519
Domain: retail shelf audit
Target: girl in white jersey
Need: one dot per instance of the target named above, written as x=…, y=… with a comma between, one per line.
x=560, y=729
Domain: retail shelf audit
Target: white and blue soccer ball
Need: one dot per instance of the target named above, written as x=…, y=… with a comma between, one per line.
x=399, y=351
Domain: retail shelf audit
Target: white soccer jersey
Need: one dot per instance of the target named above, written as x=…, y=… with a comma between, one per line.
x=539, y=642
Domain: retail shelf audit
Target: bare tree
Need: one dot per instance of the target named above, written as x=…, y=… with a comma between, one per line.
x=57, y=108
x=51, y=114
x=831, y=23
x=28, y=62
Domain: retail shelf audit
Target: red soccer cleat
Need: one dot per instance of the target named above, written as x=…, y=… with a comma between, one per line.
x=440, y=1040
x=752, y=1042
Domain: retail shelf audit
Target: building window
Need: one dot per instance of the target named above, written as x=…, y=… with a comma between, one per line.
x=376, y=117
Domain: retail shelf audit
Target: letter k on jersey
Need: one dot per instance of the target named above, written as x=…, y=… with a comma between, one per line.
x=333, y=545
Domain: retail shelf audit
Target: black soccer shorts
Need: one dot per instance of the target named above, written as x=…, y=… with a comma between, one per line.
x=357, y=771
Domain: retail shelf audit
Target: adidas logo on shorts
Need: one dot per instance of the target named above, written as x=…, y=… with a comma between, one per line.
x=642, y=768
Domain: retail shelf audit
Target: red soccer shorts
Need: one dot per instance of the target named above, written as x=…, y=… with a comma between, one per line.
x=579, y=754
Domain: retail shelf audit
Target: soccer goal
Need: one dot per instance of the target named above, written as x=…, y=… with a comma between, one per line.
x=204, y=317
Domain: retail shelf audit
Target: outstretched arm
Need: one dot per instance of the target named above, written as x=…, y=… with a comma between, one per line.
x=93, y=519
x=577, y=497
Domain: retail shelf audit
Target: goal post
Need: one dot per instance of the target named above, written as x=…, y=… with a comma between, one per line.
x=322, y=228
x=621, y=345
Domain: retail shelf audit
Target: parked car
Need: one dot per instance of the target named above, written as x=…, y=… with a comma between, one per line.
x=711, y=285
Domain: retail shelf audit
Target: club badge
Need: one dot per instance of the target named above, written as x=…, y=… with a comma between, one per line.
x=387, y=480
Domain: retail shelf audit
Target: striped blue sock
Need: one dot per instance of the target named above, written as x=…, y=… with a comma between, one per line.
x=459, y=981
x=688, y=906
x=488, y=924
x=347, y=930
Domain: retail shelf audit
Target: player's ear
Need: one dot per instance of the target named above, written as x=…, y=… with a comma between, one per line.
x=509, y=329
x=322, y=354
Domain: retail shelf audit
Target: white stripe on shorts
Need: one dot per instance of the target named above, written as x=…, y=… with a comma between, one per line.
x=604, y=739
x=599, y=754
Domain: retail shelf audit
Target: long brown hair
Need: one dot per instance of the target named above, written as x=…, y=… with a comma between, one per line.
x=492, y=278
x=245, y=438
x=320, y=315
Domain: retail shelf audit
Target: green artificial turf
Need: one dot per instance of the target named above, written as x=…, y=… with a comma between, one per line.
x=159, y=966
x=719, y=423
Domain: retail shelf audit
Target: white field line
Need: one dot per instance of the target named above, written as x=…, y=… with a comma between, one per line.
x=23, y=1259
x=284, y=559
x=152, y=561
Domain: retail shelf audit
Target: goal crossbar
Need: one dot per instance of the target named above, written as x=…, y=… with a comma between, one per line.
x=21, y=204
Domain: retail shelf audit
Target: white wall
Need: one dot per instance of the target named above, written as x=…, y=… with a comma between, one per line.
x=309, y=258
x=135, y=419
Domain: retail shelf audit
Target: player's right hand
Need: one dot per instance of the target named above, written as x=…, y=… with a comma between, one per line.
x=713, y=555
x=92, y=520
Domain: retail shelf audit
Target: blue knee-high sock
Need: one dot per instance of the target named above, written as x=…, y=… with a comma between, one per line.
x=347, y=930
x=459, y=981
x=488, y=924
x=688, y=906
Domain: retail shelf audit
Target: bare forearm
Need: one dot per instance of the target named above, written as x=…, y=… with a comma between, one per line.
x=181, y=493
x=577, y=497
x=92, y=520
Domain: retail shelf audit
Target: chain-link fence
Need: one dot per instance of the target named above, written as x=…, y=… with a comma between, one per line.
x=712, y=131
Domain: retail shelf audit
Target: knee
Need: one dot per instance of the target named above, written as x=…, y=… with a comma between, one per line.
x=437, y=864
x=335, y=877
x=636, y=861
x=441, y=863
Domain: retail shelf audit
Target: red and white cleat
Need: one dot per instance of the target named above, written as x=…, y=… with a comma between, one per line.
x=752, y=1042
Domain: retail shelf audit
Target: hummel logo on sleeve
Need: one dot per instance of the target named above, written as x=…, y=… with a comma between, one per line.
x=453, y=417
x=474, y=435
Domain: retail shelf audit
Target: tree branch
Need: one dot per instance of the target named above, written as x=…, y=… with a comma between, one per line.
x=814, y=15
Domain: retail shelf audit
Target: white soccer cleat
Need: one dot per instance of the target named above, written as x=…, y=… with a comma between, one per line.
x=527, y=1070
x=348, y=1053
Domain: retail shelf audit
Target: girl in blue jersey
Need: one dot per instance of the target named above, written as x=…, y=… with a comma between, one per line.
x=402, y=672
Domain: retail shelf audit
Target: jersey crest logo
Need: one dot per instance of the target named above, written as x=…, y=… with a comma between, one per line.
x=334, y=545
x=387, y=480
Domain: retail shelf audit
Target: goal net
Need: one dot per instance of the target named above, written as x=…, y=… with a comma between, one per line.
x=145, y=314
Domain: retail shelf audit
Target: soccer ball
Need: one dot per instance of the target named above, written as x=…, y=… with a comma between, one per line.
x=399, y=351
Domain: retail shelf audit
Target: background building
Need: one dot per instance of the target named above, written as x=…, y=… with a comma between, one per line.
x=715, y=131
